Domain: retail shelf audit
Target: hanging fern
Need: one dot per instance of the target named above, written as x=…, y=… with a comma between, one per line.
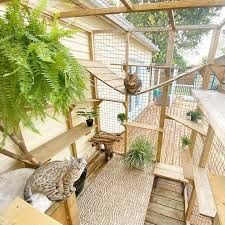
x=36, y=70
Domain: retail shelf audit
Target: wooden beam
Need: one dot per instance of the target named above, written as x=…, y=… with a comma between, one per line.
x=207, y=146
x=144, y=7
x=169, y=60
x=191, y=204
x=162, y=29
x=221, y=24
x=171, y=19
x=127, y=4
x=142, y=126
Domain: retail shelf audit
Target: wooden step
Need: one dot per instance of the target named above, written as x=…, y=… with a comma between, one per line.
x=168, y=194
x=178, y=205
x=204, y=194
x=170, y=172
x=159, y=219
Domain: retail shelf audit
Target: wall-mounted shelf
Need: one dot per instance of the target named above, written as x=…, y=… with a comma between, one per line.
x=44, y=152
x=194, y=126
x=212, y=104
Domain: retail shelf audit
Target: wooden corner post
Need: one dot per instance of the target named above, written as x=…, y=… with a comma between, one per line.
x=126, y=103
x=169, y=61
x=94, y=89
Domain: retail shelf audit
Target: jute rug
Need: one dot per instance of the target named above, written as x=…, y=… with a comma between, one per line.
x=118, y=196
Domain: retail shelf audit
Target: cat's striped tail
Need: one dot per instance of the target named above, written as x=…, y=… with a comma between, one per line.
x=28, y=192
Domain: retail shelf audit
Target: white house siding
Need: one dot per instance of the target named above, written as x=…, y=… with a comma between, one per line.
x=50, y=128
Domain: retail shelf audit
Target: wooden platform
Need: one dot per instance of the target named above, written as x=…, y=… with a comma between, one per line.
x=44, y=152
x=166, y=205
x=104, y=74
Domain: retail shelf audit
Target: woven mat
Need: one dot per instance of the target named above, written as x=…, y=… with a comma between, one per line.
x=118, y=196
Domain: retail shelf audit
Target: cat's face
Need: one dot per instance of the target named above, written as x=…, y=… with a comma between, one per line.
x=78, y=163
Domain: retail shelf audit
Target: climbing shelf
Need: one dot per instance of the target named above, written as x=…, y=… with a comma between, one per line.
x=211, y=104
x=143, y=126
x=217, y=183
x=46, y=151
x=194, y=126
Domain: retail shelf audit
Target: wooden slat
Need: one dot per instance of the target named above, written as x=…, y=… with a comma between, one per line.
x=211, y=104
x=187, y=165
x=20, y=212
x=171, y=19
x=44, y=152
x=127, y=3
x=143, y=126
x=143, y=8
x=192, y=125
x=169, y=171
x=205, y=199
x=217, y=184
x=104, y=74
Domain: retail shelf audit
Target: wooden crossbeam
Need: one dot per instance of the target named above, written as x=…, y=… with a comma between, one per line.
x=143, y=8
x=171, y=19
x=127, y=4
x=162, y=29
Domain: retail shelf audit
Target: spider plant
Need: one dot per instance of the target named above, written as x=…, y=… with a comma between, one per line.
x=121, y=117
x=89, y=115
x=140, y=153
x=185, y=141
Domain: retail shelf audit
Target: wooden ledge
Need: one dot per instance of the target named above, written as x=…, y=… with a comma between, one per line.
x=217, y=183
x=194, y=126
x=47, y=150
x=143, y=126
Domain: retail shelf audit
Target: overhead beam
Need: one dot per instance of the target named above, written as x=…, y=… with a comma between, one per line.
x=164, y=29
x=171, y=19
x=127, y=4
x=144, y=7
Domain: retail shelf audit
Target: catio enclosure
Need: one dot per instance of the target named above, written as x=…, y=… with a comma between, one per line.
x=182, y=186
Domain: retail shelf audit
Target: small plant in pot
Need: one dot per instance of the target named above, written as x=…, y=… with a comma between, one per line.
x=194, y=116
x=89, y=115
x=121, y=117
x=140, y=153
x=185, y=141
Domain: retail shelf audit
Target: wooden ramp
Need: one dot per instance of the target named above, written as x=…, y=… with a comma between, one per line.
x=166, y=204
x=104, y=74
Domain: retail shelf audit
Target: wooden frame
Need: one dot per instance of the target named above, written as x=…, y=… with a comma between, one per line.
x=143, y=8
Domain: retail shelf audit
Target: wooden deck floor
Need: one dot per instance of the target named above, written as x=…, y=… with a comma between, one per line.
x=166, y=205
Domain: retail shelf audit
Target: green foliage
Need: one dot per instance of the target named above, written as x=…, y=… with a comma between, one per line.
x=88, y=114
x=184, y=39
x=121, y=117
x=195, y=115
x=140, y=153
x=185, y=141
x=36, y=70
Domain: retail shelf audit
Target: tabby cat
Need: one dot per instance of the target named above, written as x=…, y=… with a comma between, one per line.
x=55, y=179
x=132, y=83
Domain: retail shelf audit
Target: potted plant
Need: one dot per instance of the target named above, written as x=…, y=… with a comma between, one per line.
x=121, y=117
x=187, y=160
x=140, y=153
x=89, y=115
x=195, y=116
x=185, y=141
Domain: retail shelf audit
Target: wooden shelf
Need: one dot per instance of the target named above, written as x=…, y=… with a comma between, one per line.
x=206, y=203
x=212, y=104
x=44, y=152
x=194, y=126
x=217, y=184
x=143, y=126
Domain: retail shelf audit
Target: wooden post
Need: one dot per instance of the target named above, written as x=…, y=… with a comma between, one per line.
x=211, y=56
x=169, y=60
x=207, y=147
x=193, y=140
x=191, y=204
x=126, y=103
x=94, y=89
x=69, y=121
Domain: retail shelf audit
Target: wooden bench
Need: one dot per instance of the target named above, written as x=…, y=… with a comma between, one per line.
x=170, y=172
x=204, y=194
